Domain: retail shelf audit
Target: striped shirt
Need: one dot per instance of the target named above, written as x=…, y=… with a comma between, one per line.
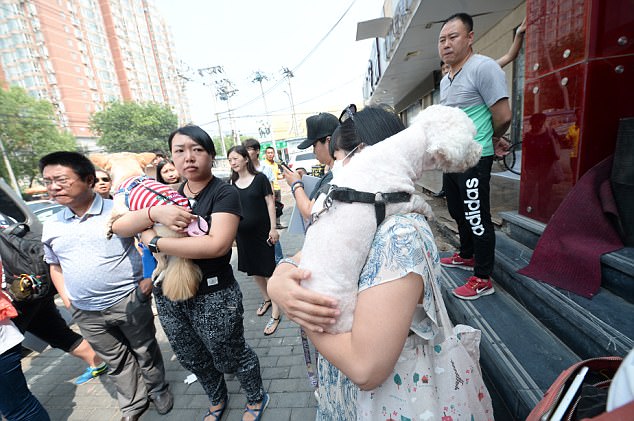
x=143, y=192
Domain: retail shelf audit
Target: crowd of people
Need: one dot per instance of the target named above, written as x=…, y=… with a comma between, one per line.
x=206, y=332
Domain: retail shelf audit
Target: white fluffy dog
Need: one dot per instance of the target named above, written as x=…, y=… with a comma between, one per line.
x=338, y=242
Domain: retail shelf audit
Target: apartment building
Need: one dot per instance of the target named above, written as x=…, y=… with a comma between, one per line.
x=80, y=54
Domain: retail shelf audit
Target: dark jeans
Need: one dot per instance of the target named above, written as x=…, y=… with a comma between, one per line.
x=16, y=400
x=468, y=200
x=42, y=319
x=279, y=255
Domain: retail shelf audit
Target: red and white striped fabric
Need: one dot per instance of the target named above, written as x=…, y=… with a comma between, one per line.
x=143, y=194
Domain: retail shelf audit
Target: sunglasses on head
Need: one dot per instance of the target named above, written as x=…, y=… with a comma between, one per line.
x=104, y=179
x=348, y=113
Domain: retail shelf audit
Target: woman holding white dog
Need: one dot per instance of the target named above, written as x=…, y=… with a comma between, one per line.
x=206, y=332
x=257, y=234
x=394, y=295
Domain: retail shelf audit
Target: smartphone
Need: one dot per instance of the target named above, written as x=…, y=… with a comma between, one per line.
x=285, y=165
x=268, y=241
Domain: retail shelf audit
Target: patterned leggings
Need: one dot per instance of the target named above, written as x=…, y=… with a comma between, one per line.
x=207, y=336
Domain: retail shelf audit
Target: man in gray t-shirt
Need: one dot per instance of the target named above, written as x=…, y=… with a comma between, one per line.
x=475, y=84
x=98, y=280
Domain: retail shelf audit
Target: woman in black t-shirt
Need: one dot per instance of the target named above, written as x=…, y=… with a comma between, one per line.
x=206, y=331
x=257, y=234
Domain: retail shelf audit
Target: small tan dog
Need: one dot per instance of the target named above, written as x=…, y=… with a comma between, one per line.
x=179, y=277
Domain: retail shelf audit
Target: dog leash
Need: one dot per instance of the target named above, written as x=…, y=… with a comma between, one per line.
x=310, y=371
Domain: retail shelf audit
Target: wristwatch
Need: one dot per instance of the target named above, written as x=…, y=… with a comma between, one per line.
x=153, y=246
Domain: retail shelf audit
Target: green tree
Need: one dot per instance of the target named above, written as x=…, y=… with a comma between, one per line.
x=28, y=131
x=132, y=127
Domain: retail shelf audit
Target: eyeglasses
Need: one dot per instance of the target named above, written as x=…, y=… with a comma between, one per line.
x=63, y=182
x=348, y=113
x=104, y=179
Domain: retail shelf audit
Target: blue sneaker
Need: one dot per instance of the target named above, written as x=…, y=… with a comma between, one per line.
x=91, y=373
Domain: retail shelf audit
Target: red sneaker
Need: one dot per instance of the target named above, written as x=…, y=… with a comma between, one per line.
x=474, y=288
x=456, y=261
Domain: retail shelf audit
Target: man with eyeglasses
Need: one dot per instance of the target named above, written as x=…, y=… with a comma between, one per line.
x=319, y=128
x=477, y=85
x=99, y=282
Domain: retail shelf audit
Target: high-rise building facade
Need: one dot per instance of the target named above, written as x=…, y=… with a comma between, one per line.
x=80, y=54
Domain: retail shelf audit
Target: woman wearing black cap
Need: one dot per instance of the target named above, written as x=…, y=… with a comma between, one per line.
x=319, y=128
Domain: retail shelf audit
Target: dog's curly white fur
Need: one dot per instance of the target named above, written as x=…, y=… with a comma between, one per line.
x=180, y=277
x=338, y=243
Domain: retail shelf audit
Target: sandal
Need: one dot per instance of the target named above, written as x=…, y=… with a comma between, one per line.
x=273, y=322
x=217, y=414
x=264, y=307
x=257, y=413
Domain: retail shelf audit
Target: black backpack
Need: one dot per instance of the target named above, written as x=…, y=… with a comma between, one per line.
x=25, y=272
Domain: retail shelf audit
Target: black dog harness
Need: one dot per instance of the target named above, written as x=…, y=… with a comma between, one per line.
x=348, y=195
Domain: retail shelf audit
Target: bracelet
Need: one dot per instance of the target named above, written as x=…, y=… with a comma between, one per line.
x=295, y=186
x=289, y=261
x=300, y=182
x=150, y=216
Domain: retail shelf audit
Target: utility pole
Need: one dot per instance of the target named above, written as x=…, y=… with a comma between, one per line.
x=288, y=74
x=225, y=90
x=259, y=77
x=5, y=158
x=210, y=72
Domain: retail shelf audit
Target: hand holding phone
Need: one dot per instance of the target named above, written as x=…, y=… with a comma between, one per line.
x=285, y=165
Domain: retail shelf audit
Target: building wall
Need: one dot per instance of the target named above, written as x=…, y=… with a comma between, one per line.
x=497, y=41
x=80, y=54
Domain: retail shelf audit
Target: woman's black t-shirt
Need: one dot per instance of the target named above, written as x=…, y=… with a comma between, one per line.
x=216, y=197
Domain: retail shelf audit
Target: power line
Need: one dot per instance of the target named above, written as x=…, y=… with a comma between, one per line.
x=310, y=53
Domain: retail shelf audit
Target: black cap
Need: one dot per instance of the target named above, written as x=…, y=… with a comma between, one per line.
x=317, y=127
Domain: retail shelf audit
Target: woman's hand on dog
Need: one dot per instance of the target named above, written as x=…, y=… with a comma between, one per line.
x=307, y=308
x=173, y=217
x=147, y=235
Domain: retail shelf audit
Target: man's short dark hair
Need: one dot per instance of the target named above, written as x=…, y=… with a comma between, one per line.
x=73, y=160
x=466, y=19
x=270, y=147
x=251, y=143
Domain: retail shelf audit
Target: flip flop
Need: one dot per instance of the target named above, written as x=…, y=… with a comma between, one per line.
x=273, y=322
x=217, y=414
x=257, y=413
x=264, y=307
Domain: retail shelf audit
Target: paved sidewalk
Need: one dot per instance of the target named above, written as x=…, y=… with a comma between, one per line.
x=50, y=374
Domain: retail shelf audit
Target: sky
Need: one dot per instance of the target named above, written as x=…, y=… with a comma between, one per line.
x=314, y=39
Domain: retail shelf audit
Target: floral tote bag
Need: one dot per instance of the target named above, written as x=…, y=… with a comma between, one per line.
x=437, y=379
